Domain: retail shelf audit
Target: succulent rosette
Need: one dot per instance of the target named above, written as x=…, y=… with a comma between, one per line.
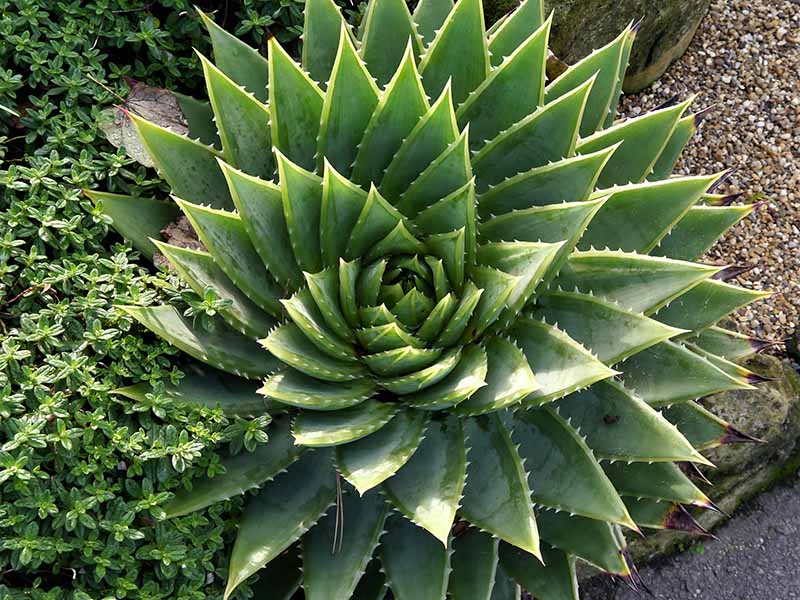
x=465, y=294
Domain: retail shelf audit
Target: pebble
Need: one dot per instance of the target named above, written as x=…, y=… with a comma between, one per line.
x=745, y=61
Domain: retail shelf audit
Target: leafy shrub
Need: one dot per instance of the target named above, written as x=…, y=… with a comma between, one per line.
x=82, y=475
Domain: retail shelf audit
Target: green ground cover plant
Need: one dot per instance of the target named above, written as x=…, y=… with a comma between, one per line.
x=83, y=475
x=462, y=296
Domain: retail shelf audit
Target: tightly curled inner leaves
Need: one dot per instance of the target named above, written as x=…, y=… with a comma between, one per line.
x=404, y=232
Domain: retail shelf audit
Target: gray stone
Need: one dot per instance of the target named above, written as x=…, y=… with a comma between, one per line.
x=793, y=345
x=581, y=26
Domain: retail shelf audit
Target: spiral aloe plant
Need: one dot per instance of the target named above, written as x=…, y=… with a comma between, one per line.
x=465, y=295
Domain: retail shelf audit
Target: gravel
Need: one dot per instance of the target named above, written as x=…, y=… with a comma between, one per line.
x=745, y=61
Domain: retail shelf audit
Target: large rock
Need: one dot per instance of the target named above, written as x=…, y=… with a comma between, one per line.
x=580, y=26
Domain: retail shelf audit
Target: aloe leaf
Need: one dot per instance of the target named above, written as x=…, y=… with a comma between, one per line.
x=561, y=364
x=242, y=122
x=401, y=361
x=295, y=106
x=189, y=167
x=352, y=531
x=706, y=304
x=619, y=224
x=400, y=107
x=368, y=286
x=429, y=17
x=289, y=344
x=547, y=135
x=553, y=580
x=243, y=472
x=699, y=228
x=376, y=221
x=412, y=308
x=391, y=294
x=505, y=588
x=409, y=577
x=666, y=162
x=368, y=462
x=441, y=285
x=563, y=472
x=659, y=481
x=199, y=271
x=736, y=371
x=515, y=29
x=643, y=139
x=200, y=119
x=424, y=378
x=623, y=68
x=497, y=287
x=497, y=497
x=138, y=220
x=224, y=234
x=387, y=30
x=286, y=507
x=304, y=313
x=332, y=428
x=611, y=332
x=474, y=565
x=620, y=426
x=324, y=289
x=281, y=578
x=372, y=585
x=297, y=389
x=348, y=276
x=510, y=93
x=451, y=213
x=237, y=60
x=349, y=103
x=321, y=29
x=342, y=203
x=437, y=319
x=431, y=136
x=527, y=261
x=639, y=283
x=463, y=381
x=558, y=223
x=605, y=62
x=450, y=248
x=203, y=386
x=302, y=204
x=496, y=25
x=509, y=379
x=399, y=241
x=372, y=316
x=596, y=542
x=662, y=515
x=458, y=54
x=569, y=180
x=669, y=373
x=427, y=489
x=260, y=207
x=450, y=171
x=729, y=344
x=222, y=348
x=458, y=323
x=702, y=428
